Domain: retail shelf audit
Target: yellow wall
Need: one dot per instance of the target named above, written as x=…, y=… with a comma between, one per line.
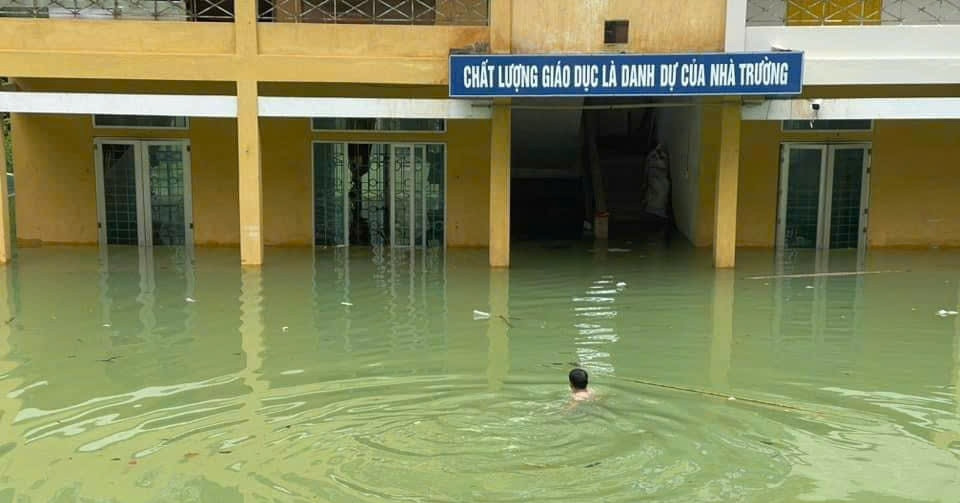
x=56, y=182
x=709, y=157
x=912, y=184
x=656, y=26
x=913, y=198
x=56, y=179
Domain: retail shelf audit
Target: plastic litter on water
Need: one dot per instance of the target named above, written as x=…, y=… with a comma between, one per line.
x=346, y=304
x=622, y=284
x=480, y=315
x=943, y=313
x=190, y=300
x=285, y=329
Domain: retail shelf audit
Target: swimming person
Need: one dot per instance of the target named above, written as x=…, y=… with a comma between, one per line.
x=578, y=385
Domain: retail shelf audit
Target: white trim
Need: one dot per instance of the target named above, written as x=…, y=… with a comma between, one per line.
x=864, y=55
x=826, y=199
x=373, y=108
x=144, y=204
x=119, y=104
x=853, y=108
x=735, y=39
x=865, y=199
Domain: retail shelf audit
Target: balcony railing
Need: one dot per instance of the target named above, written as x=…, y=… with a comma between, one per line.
x=160, y=10
x=851, y=12
x=400, y=12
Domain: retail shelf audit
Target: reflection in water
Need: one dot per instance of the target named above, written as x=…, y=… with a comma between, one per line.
x=355, y=374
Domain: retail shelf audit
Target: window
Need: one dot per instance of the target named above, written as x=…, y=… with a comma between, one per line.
x=355, y=124
x=828, y=125
x=616, y=32
x=140, y=121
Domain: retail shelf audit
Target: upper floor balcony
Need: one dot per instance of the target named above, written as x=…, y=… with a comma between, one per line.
x=852, y=12
x=393, y=12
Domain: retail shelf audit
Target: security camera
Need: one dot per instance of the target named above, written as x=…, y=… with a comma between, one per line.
x=815, y=105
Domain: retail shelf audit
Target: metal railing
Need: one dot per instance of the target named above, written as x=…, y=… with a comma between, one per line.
x=400, y=12
x=851, y=12
x=160, y=10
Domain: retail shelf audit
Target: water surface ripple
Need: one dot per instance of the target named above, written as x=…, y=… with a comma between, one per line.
x=371, y=375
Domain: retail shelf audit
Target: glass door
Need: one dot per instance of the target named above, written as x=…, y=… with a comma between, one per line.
x=823, y=196
x=143, y=193
x=377, y=194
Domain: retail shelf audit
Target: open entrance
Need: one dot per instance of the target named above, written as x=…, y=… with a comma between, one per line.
x=379, y=194
x=143, y=192
x=577, y=162
x=823, y=196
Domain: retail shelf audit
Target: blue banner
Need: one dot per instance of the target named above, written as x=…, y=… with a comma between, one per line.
x=509, y=75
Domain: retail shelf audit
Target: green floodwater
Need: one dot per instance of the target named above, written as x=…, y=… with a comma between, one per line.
x=358, y=375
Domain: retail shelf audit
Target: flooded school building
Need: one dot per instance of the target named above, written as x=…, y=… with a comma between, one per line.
x=478, y=123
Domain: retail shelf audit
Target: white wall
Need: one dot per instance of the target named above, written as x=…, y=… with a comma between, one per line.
x=867, y=55
x=678, y=130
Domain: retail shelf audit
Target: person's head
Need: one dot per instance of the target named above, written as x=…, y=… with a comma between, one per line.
x=578, y=379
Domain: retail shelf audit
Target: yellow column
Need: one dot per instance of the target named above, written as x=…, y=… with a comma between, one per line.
x=501, y=42
x=251, y=187
x=248, y=137
x=500, y=186
x=725, y=214
x=6, y=250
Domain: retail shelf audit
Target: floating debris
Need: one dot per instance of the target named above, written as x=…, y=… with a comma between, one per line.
x=106, y=325
x=943, y=313
x=191, y=300
x=285, y=328
x=346, y=304
x=809, y=287
x=621, y=284
x=480, y=315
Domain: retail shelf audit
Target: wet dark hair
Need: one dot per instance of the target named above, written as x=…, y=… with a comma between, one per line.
x=578, y=379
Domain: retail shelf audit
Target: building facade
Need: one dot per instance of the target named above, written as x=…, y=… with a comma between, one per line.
x=329, y=123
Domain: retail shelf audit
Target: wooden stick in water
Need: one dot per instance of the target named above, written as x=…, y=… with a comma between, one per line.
x=723, y=396
x=822, y=274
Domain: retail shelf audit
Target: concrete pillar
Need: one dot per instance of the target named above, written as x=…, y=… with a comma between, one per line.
x=500, y=185
x=6, y=247
x=725, y=214
x=251, y=186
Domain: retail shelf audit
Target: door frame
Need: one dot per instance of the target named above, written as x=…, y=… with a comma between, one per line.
x=346, y=146
x=827, y=157
x=412, y=200
x=144, y=208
